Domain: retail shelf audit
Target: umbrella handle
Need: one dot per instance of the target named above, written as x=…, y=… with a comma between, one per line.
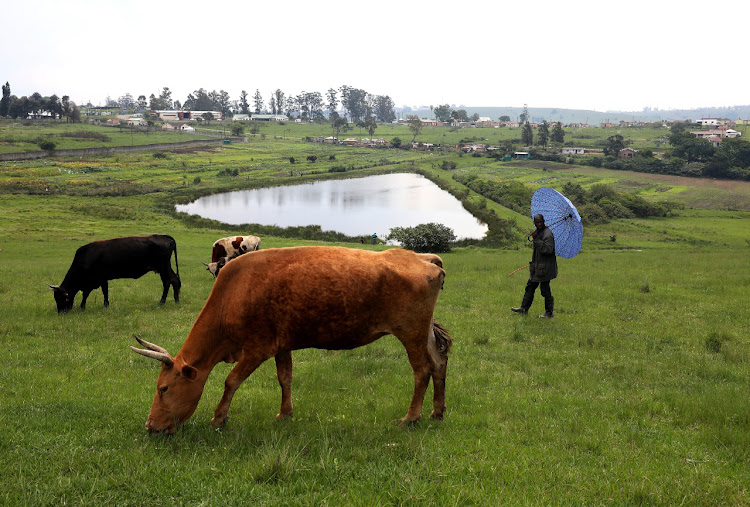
x=519, y=269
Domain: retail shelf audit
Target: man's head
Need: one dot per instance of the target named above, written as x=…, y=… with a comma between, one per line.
x=539, y=221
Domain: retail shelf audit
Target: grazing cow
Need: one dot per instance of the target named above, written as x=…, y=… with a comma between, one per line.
x=226, y=249
x=130, y=257
x=282, y=299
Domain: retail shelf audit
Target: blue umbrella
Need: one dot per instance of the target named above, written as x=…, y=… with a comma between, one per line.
x=562, y=218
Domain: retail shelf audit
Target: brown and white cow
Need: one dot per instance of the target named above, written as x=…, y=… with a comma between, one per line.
x=226, y=249
x=282, y=299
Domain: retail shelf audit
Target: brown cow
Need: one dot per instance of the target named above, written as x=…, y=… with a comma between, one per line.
x=278, y=300
x=226, y=249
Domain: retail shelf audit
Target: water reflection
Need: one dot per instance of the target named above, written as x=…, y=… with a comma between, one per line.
x=357, y=206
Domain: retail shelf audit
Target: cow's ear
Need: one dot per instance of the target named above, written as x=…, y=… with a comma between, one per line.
x=189, y=372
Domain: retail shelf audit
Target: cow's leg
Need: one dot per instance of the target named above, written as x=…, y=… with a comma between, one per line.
x=176, y=285
x=84, y=294
x=105, y=291
x=244, y=367
x=165, y=282
x=284, y=373
x=416, y=348
x=439, y=371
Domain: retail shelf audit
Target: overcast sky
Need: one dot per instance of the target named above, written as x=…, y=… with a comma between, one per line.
x=577, y=54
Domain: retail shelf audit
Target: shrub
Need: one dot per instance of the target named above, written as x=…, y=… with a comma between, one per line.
x=47, y=145
x=430, y=237
x=291, y=160
x=312, y=158
x=197, y=180
x=160, y=154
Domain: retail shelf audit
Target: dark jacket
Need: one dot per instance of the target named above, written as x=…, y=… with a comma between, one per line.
x=543, y=265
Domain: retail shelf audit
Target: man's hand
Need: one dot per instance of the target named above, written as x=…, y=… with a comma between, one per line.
x=533, y=233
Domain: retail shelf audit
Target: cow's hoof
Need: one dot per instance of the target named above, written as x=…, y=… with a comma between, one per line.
x=437, y=416
x=218, y=423
x=284, y=417
x=406, y=421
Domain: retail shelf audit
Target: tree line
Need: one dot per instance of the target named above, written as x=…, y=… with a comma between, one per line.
x=37, y=105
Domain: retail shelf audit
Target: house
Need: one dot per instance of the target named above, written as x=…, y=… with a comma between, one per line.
x=522, y=155
x=715, y=122
x=113, y=121
x=270, y=117
x=573, y=151
x=350, y=141
x=626, y=153
x=167, y=126
x=721, y=132
x=605, y=125
x=241, y=117
x=186, y=128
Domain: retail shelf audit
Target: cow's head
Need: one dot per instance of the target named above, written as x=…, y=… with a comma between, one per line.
x=63, y=299
x=214, y=267
x=178, y=390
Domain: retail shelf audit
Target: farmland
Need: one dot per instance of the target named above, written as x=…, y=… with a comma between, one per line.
x=635, y=393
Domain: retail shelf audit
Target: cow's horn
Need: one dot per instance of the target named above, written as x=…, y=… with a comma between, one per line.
x=154, y=352
x=164, y=358
x=150, y=346
x=54, y=287
x=205, y=264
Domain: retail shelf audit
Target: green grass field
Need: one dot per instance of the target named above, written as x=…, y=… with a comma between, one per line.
x=635, y=393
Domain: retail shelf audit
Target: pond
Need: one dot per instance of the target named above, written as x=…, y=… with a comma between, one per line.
x=355, y=207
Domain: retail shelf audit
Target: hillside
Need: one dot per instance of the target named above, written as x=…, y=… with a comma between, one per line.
x=595, y=117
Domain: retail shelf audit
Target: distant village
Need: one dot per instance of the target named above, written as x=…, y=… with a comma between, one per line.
x=712, y=129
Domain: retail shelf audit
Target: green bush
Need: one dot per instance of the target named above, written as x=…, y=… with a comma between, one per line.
x=430, y=237
x=47, y=145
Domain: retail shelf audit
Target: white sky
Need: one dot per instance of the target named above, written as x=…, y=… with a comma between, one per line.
x=579, y=54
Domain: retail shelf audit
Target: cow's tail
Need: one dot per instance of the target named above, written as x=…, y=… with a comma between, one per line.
x=174, y=248
x=443, y=339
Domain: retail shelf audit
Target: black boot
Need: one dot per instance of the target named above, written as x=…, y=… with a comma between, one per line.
x=549, y=308
x=520, y=309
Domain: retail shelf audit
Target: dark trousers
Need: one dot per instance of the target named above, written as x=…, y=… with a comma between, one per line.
x=528, y=296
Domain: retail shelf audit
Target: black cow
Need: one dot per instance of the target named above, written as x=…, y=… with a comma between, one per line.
x=130, y=257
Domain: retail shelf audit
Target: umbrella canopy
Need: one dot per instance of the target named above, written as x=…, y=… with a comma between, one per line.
x=562, y=218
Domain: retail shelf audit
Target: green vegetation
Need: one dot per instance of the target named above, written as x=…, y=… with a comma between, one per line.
x=635, y=393
x=428, y=238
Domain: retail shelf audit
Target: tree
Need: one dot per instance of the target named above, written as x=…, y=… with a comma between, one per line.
x=558, y=134
x=333, y=101
x=474, y=117
x=504, y=117
x=338, y=123
x=371, y=125
x=207, y=117
x=5, y=101
x=237, y=129
x=66, y=107
x=527, y=135
x=142, y=102
x=415, y=126
x=431, y=237
x=54, y=106
x=355, y=102
x=383, y=108
x=258, y=102
x=223, y=103
x=443, y=113
x=244, y=106
x=280, y=100
x=613, y=145
x=543, y=133
x=691, y=148
x=524, y=118
x=460, y=115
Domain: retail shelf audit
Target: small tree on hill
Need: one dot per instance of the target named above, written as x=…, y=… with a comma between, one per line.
x=415, y=126
x=527, y=135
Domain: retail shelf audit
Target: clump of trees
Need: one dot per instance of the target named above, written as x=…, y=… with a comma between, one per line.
x=601, y=203
x=431, y=237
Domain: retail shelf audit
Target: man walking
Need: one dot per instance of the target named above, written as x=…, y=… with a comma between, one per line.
x=542, y=269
